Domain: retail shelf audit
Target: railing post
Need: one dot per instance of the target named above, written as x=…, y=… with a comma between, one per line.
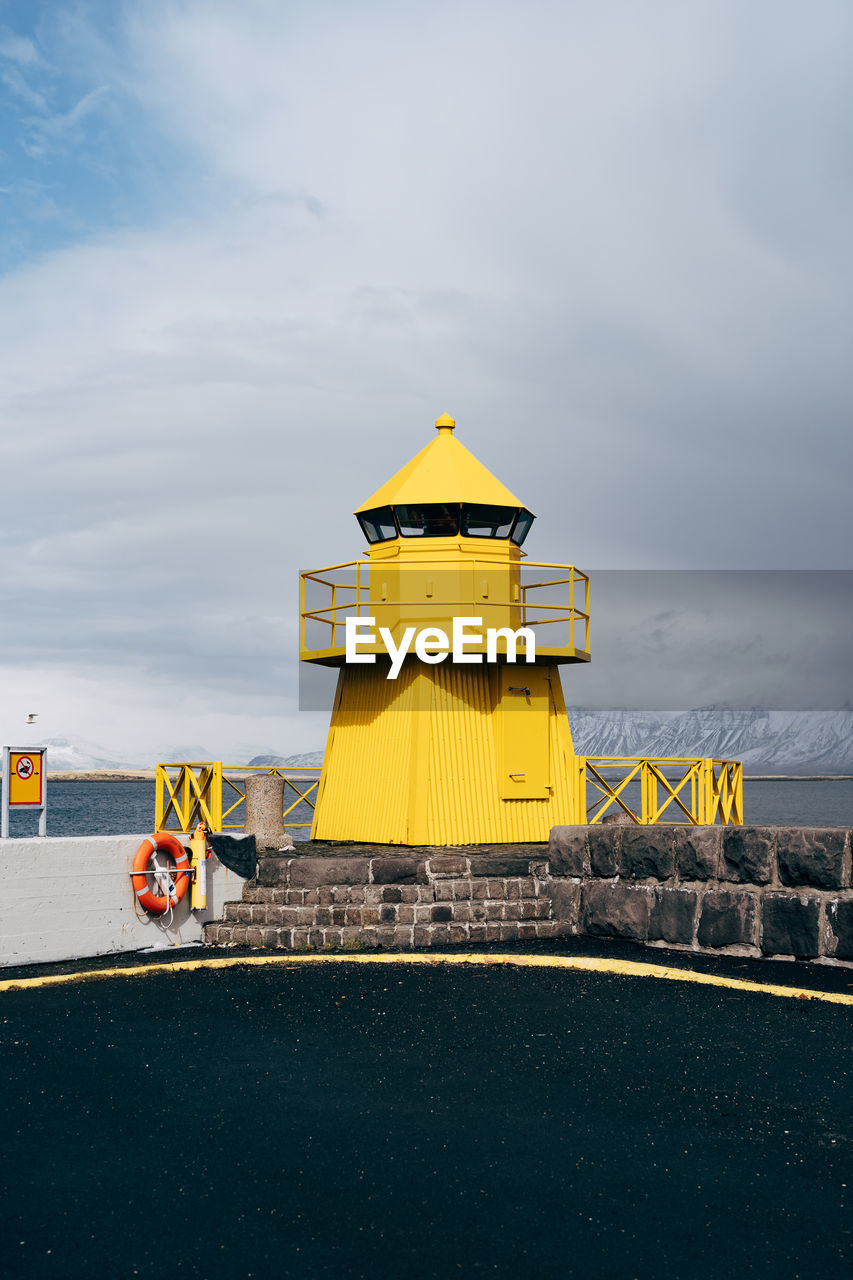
x=159, y=797
x=182, y=792
x=586, y=624
x=215, y=794
x=580, y=791
x=302, y=644
x=694, y=793
x=706, y=808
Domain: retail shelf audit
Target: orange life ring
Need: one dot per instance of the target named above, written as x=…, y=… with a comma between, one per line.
x=173, y=880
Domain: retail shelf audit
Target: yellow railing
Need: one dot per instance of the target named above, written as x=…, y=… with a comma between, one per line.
x=347, y=590
x=671, y=791
x=211, y=792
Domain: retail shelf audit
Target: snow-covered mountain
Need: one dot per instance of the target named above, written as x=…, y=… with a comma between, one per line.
x=64, y=755
x=307, y=759
x=778, y=741
x=771, y=741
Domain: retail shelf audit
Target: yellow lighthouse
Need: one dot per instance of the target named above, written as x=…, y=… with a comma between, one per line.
x=448, y=725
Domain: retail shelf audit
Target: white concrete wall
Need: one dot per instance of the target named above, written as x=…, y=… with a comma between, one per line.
x=71, y=896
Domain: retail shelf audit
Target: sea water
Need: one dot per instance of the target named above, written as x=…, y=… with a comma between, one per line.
x=115, y=808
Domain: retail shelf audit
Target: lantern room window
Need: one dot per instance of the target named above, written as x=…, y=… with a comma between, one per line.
x=429, y=520
x=378, y=525
x=522, y=526
x=479, y=521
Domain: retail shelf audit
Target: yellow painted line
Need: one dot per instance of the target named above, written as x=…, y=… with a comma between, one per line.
x=586, y=964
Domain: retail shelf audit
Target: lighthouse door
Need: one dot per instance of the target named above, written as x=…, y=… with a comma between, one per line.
x=524, y=719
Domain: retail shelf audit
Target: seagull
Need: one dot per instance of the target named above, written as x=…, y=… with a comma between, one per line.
x=32, y=717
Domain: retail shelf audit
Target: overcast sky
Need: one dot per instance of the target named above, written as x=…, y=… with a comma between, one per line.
x=250, y=251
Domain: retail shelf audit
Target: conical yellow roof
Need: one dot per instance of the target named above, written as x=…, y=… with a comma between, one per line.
x=445, y=471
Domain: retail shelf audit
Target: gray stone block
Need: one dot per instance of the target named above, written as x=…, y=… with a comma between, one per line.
x=811, y=856
x=790, y=925
x=273, y=872
x=310, y=873
x=697, y=852
x=673, y=915
x=616, y=910
x=839, y=914
x=565, y=898
x=568, y=851
x=748, y=854
x=604, y=845
x=727, y=918
x=401, y=870
x=441, y=913
x=499, y=865
x=447, y=865
x=647, y=851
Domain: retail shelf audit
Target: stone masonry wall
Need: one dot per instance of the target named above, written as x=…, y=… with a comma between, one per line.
x=759, y=891
x=399, y=899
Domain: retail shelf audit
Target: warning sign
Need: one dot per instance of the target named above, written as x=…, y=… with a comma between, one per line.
x=26, y=778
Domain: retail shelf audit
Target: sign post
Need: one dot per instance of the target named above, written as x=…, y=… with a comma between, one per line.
x=24, y=784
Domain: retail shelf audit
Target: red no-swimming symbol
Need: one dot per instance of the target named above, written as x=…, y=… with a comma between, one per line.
x=24, y=768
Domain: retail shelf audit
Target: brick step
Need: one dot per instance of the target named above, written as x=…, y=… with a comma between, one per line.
x=441, y=890
x=406, y=936
x=385, y=913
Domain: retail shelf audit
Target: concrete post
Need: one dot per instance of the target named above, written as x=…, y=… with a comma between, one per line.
x=264, y=803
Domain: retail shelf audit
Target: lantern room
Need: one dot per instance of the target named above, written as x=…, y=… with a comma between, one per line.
x=445, y=540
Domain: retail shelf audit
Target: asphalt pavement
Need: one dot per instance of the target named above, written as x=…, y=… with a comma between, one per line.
x=426, y=1121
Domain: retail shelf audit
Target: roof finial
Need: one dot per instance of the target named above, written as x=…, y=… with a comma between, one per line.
x=445, y=422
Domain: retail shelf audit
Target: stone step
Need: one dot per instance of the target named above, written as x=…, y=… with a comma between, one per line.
x=405, y=936
x=440, y=890
x=310, y=868
x=385, y=913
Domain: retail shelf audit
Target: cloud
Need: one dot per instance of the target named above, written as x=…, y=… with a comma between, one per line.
x=54, y=131
x=19, y=49
x=613, y=248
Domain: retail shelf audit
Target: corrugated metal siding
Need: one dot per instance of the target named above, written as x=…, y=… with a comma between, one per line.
x=366, y=768
x=415, y=761
x=464, y=794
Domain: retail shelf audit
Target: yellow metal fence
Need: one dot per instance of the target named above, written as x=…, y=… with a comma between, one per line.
x=215, y=794
x=661, y=790
x=642, y=789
